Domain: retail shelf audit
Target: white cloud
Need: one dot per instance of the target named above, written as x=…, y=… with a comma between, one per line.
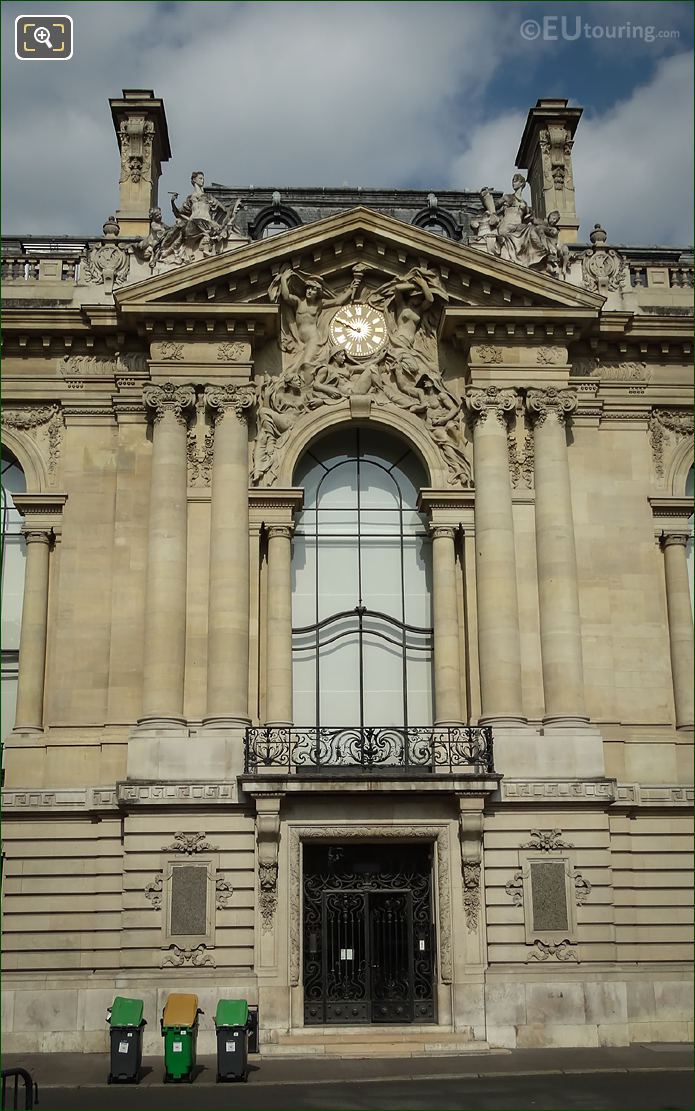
x=632, y=164
x=381, y=94
x=264, y=93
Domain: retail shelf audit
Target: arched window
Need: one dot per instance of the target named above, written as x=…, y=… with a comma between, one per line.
x=274, y=227
x=361, y=585
x=13, y=557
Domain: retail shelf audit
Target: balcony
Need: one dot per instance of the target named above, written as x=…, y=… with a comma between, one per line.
x=370, y=750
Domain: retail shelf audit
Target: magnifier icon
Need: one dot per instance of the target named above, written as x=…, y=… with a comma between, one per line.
x=43, y=36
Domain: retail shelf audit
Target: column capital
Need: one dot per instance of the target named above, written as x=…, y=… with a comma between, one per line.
x=440, y=532
x=541, y=404
x=34, y=535
x=226, y=397
x=280, y=530
x=169, y=398
x=667, y=539
x=492, y=399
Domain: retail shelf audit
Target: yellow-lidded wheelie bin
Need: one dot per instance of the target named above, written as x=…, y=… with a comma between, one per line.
x=126, y=1026
x=180, y=1033
x=232, y=1025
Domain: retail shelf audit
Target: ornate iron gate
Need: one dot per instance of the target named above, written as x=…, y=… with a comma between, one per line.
x=368, y=934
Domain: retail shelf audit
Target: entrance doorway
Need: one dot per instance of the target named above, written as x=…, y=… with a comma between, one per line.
x=369, y=940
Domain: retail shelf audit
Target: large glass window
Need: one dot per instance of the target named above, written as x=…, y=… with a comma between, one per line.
x=361, y=586
x=13, y=557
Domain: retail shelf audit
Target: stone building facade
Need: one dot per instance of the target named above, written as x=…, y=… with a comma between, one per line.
x=355, y=651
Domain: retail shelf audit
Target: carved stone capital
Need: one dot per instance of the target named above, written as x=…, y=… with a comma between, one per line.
x=225, y=398
x=541, y=404
x=178, y=400
x=442, y=532
x=34, y=535
x=280, y=530
x=481, y=402
x=667, y=539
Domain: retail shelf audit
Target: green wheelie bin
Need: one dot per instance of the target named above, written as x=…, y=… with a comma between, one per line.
x=232, y=1025
x=180, y=1033
x=126, y=1025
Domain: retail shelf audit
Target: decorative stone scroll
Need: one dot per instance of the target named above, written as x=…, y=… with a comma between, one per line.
x=267, y=835
x=471, y=835
x=546, y=841
x=666, y=428
x=199, y=448
x=560, y=950
x=44, y=425
x=223, y=399
x=198, y=957
x=169, y=398
x=501, y=403
x=603, y=269
x=541, y=404
x=107, y=263
x=189, y=843
x=154, y=891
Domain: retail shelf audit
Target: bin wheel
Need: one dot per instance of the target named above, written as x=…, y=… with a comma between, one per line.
x=166, y=1078
x=245, y=1077
x=109, y=1079
x=189, y=1078
x=218, y=1078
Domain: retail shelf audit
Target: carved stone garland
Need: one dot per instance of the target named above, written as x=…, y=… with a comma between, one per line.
x=438, y=834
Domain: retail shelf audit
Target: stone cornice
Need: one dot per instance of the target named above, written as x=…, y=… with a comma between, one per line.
x=358, y=221
x=274, y=506
x=41, y=511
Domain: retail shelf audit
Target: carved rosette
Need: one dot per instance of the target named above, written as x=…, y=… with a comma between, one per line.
x=541, y=404
x=177, y=400
x=492, y=399
x=223, y=399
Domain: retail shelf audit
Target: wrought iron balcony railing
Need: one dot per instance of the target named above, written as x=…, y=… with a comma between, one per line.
x=371, y=749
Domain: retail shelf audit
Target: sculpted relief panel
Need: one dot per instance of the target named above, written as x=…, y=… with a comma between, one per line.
x=374, y=342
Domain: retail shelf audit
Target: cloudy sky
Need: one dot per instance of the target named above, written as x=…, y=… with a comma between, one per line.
x=392, y=94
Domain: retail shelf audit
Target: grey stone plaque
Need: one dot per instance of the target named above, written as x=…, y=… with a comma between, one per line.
x=189, y=894
x=549, y=895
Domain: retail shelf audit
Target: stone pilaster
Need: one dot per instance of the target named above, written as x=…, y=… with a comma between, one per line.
x=447, y=663
x=546, y=152
x=143, y=144
x=228, y=607
x=165, y=590
x=32, y=642
x=558, y=595
x=499, y=645
x=279, y=627
x=680, y=625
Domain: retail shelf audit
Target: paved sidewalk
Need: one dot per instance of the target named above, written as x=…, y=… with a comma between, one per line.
x=77, y=1070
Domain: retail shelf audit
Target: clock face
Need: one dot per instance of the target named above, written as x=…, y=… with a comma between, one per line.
x=358, y=329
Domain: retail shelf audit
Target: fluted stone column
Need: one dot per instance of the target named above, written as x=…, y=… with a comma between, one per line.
x=499, y=645
x=558, y=594
x=228, y=605
x=447, y=663
x=32, y=641
x=279, y=624
x=680, y=625
x=165, y=589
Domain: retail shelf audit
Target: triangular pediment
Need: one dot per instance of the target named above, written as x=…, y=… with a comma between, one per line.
x=330, y=248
